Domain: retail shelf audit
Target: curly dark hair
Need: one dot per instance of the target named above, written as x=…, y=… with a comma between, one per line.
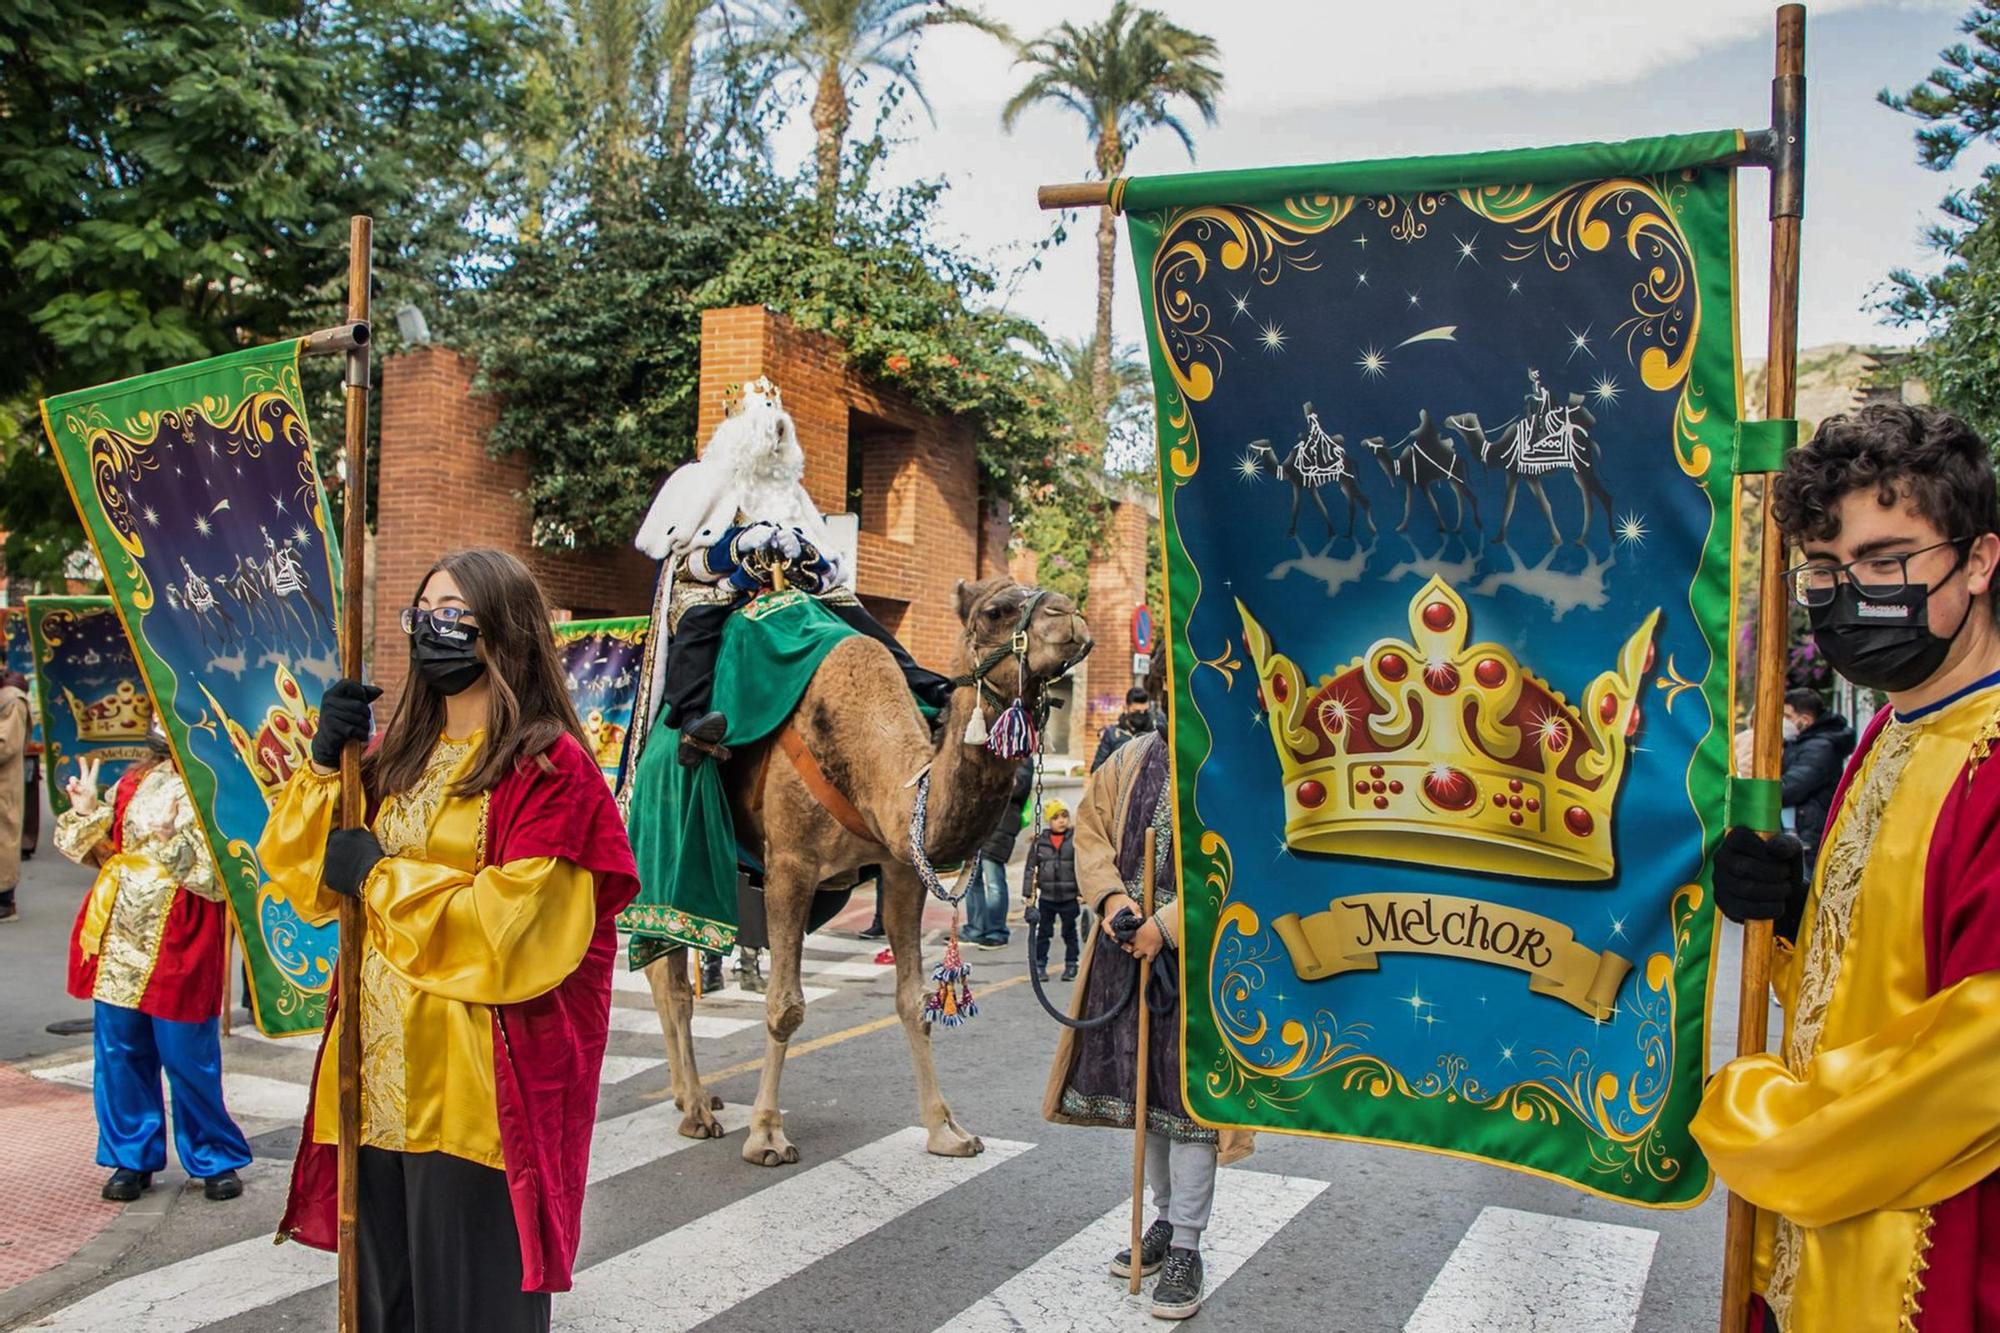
x=1931, y=456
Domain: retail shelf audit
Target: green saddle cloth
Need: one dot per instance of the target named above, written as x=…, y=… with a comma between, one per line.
x=683, y=836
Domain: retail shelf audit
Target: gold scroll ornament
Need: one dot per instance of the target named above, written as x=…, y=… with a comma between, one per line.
x=1352, y=931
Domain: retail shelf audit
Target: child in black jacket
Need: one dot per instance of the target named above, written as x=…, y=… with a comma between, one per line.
x=1051, y=891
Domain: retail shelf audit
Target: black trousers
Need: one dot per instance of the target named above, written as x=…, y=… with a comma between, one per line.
x=438, y=1250
x=697, y=642
x=1045, y=929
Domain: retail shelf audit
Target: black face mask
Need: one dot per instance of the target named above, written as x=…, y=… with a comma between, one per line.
x=447, y=658
x=1883, y=643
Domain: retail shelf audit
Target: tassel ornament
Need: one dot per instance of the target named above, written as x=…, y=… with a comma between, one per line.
x=1012, y=735
x=946, y=1005
x=975, y=726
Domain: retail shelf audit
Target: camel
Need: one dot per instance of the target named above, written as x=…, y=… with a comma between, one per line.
x=1503, y=449
x=862, y=727
x=1419, y=461
x=1318, y=458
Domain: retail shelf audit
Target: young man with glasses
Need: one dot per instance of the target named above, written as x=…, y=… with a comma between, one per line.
x=1870, y=1139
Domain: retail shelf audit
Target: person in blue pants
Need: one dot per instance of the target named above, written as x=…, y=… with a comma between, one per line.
x=147, y=948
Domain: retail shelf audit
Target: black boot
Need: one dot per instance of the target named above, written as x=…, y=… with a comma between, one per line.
x=1177, y=1295
x=222, y=1186
x=702, y=739
x=749, y=974
x=711, y=973
x=1152, y=1250
x=125, y=1186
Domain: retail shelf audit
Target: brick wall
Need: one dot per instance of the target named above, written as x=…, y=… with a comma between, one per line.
x=440, y=491
x=1117, y=587
x=924, y=526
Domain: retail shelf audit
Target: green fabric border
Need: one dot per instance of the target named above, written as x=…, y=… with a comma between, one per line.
x=1756, y=803
x=1403, y=175
x=1761, y=446
x=1562, y=1152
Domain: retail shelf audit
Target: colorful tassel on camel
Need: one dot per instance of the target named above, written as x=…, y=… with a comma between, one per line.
x=1012, y=734
x=950, y=1001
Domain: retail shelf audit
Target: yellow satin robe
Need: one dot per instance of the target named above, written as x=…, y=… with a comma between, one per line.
x=1882, y=1100
x=449, y=936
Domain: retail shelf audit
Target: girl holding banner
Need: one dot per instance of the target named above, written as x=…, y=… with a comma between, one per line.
x=491, y=872
x=147, y=948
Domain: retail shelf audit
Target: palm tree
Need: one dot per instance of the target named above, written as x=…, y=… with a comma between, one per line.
x=1118, y=435
x=1123, y=77
x=680, y=24
x=833, y=43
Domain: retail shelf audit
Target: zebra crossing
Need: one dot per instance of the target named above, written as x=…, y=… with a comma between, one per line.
x=681, y=1233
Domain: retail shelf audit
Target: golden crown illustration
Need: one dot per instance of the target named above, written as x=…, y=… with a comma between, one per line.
x=122, y=715
x=1440, y=752
x=282, y=744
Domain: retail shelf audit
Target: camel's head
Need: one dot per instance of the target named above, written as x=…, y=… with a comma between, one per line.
x=1002, y=616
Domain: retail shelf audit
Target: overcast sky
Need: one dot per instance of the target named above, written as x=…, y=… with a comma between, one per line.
x=1331, y=80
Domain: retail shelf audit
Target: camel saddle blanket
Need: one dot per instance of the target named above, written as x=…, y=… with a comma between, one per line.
x=683, y=835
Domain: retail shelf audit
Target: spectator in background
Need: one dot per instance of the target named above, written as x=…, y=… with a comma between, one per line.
x=1049, y=889
x=1817, y=743
x=13, y=789
x=986, y=902
x=1138, y=718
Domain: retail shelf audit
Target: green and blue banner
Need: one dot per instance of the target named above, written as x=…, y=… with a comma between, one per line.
x=93, y=704
x=18, y=653
x=600, y=660
x=198, y=490
x=1446, y=458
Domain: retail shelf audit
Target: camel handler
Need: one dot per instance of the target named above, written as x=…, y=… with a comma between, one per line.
x=1093, y=1082
x=15, y=794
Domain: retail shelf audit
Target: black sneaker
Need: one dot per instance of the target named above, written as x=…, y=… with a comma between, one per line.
x=1152, y=1250
x=125, y=1186
x=1069, y=972
x=1177, y=1295
x=873, y=933
x=222, y=1187
x=1042, y=975
x=711, y=973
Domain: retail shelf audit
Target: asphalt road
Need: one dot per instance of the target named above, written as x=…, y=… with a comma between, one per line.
x=868, y=1232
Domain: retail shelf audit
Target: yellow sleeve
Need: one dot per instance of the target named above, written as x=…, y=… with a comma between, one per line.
x=78, y=835
x=294, y=843
x=507, y=934
x=1907, y=1117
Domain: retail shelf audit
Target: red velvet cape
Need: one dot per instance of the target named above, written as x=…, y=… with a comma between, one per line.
x=186, y=984
x=547, y=1052
x=1961, y=939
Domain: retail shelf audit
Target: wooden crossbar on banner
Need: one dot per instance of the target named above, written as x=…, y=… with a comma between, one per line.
x=1780, y=149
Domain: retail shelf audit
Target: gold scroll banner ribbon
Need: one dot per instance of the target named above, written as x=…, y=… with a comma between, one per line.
x=1349, y=935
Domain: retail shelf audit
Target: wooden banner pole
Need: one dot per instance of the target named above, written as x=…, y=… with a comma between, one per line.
x=1144, y=1071
x=1773, y=610
x=353, y=803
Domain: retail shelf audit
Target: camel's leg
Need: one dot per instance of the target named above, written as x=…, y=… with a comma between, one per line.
x=673, y=1000
x=1465, y=498
x=1548, y=510
x=902, y=918
x=788, y=891
x=1583, y=493
x=1507, y=512
x=1298, y=494
x=1589, y=480
x=1409, y=503
x=1355, y=496
x=1437, y=511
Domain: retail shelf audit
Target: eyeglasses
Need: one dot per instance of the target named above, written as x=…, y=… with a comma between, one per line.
x=443, y=619
x=1876, y=577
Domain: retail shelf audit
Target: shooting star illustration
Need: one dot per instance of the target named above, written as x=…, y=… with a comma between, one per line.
x=1443, y=333
x=220, y=505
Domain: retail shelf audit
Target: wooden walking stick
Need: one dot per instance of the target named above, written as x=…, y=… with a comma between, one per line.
x=353, y=802
x=1139, y=1086
x=1773, y=613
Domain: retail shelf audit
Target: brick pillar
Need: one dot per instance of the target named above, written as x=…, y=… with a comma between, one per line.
x=996, y=528
x=437, y=489
x=1117, y=588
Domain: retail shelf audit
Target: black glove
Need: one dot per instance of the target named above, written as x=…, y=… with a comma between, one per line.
x=1761, y=879
x=343, y=717
x=350, y=854
x=1031, y=914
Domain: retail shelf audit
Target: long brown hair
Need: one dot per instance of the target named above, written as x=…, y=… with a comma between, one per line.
x=531, y=709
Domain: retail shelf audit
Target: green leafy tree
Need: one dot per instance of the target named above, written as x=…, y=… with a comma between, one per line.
x=1122, y=77
x=176, y=178
x=1958, y=308
x=833, y=45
